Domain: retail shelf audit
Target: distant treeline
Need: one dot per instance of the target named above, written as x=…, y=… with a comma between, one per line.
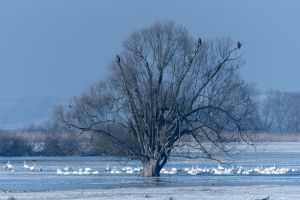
x=280, y=112
x=278, y=119
x=46, y=141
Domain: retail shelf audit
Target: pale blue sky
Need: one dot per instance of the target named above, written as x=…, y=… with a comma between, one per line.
x=58, y=48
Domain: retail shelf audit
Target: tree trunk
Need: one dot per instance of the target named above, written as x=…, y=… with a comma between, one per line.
x=151, y=168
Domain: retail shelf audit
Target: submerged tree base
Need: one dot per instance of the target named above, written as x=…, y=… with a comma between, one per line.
x=151, y=168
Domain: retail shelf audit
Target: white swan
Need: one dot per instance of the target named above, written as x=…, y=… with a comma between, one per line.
x=26, y=166
x=173, y=171
x=128, y=170
x=67, y=168
x=220, y=167
x=8, y=166
x=59, y=171
x=32, y=168
x=88, y=169
x=217, y=171
x=80, y=171
x=115, y=171
x=95, y=172
x=193, y=171
x=107, y=169
x=164, y=171
x=75, y=172
x=67, y=172
x=186, y=169
x=138, y=169
x=240, y=170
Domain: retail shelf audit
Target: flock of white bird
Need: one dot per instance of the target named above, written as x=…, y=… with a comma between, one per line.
x=240, y=170
x=87, y=170
x=81, y=171
x=30, y=167
x=219, y=170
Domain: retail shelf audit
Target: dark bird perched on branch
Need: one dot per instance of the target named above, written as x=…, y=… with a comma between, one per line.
x=199, y=42
x=238, y=45
x=118, y=59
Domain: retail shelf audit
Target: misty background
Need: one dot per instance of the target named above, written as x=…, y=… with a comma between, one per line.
x=51, y=51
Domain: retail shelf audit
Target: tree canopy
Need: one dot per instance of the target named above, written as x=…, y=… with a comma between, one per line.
x=165, y=86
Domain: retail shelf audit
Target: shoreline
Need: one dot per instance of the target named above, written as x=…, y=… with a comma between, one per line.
x=251, y=192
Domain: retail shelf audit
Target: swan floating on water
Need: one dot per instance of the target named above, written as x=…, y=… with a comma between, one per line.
x=67, y=168
x=59, y=171
x=165, y=171
x=115, y=171
x=193, y=171
x=32, y=168
x=26, y=166
x=80, y=171
x=8, y=166
x=128, y=170
x=88, y=169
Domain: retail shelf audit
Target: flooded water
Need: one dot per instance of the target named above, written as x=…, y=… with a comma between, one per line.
x=285, y=155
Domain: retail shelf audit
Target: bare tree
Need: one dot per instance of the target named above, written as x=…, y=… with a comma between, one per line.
x=164, y=86
x=280, y=111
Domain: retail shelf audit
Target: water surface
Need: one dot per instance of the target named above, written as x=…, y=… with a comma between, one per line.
x=278, y=154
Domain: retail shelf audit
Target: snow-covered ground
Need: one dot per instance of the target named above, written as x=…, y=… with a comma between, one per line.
x=166, y=193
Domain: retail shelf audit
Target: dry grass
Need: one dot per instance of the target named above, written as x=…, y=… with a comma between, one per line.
x=277, y=137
